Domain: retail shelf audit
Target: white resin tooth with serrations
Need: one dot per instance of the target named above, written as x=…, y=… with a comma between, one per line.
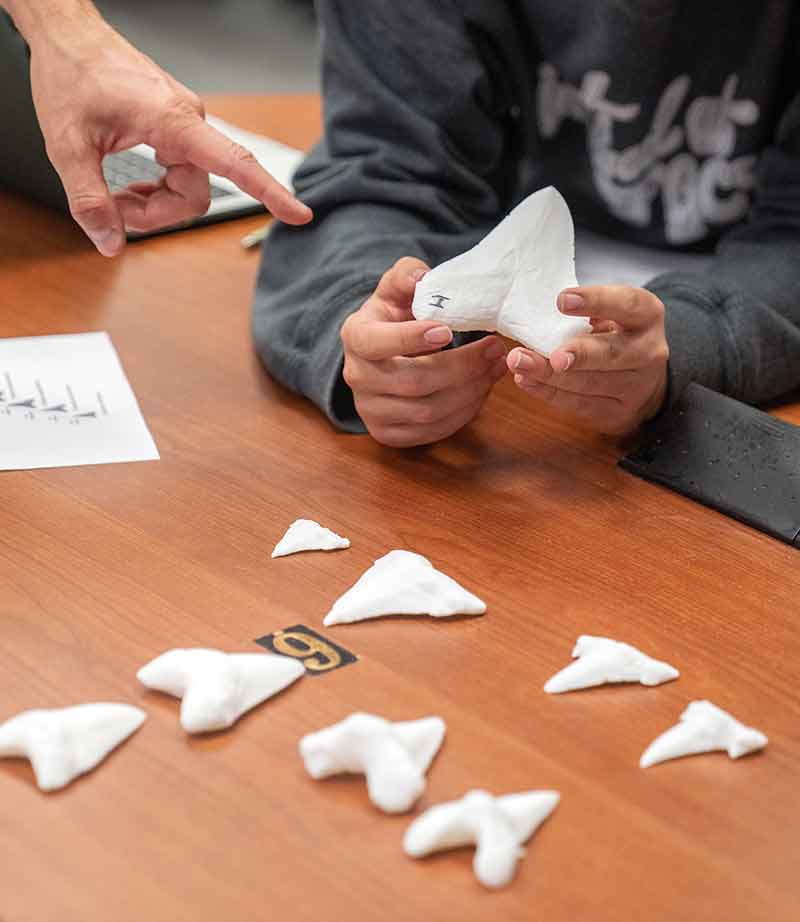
x=217, y=688
x=393, y=756
x=64, y=743
x=305, y=535
x=497, y=826
x=599, y=660
x=509, y=281
x=403, y=583
x=703, y=727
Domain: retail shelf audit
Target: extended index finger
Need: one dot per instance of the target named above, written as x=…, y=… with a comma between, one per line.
x=632, y=308
x=198, y=143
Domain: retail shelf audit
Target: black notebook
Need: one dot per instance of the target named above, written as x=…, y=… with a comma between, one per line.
x=726, y=455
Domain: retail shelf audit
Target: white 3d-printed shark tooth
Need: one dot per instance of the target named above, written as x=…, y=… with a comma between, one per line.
x=403, y=583
x=498, y=826
x=64, y=743
x=305, y=535
x=393, y=756
x=600, y=660
x=217, y=688
x=703, y=727
x=509, y=281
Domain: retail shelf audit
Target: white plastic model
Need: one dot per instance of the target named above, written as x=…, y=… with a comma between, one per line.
x=498, y=826
x=393, y=756
x=66, y=742
x=703, y=727
x=305, y=535
x=403, y=583
x=600, y=660
x=509, y=282
x=217, y=688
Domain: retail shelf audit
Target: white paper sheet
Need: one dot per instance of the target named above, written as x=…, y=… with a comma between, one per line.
x=64, y=401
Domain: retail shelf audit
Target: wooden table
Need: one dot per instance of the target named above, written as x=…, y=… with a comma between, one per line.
x=102, y=568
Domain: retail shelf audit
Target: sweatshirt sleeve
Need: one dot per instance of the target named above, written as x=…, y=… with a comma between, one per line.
x=414, y=162
x=736, y=327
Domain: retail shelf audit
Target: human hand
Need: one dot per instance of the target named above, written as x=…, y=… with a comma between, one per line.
x=96, y=94
x=615, y=377
x=407, y=391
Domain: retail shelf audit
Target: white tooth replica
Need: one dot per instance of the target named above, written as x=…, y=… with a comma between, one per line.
x=498, y=826
x=393, y=756
x=64, y=743
x=509, y=281
x=703, y=727
x=217, y=688
x=305, y=535
x=403, y=583
x=600, y=660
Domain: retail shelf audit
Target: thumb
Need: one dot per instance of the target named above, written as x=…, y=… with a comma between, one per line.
x=90, y=201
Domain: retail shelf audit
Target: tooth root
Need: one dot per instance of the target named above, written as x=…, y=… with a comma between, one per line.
x=393, y=756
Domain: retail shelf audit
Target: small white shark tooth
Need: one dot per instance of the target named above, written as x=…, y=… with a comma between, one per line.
x=498, y=826
x=703, y=727
x=403, y=583
x=305, y=535
x=509, y=281
x=64, y=743
x=600, y=660
x=393, y=756
x=217, y=688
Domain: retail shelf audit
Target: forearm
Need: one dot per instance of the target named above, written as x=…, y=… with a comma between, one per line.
x=48, y=19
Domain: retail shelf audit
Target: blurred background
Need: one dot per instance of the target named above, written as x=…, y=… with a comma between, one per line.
x=225, y=46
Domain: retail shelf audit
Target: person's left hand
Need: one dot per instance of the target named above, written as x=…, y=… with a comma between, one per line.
x=615, y=377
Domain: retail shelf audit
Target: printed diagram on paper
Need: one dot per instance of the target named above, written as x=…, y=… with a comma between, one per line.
x=64, y=401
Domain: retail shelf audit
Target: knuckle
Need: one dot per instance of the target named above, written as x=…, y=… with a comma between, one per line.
x=241, y=156
x=630, y=299
x=658, y=307
x=411, y=383
x=390, y=436
x=351, y=374
x=423, y=413
x=86, y=205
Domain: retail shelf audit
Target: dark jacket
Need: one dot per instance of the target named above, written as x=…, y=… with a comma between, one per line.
x=670, y=123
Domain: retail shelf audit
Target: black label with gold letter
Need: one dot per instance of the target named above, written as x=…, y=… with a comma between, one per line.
x=317, y=652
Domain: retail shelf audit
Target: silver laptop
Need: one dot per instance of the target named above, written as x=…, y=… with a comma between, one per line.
x=24, y=166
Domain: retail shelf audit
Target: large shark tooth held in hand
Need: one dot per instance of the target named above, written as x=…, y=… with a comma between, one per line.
x=217, y=688
x=403, y=583
x=703, y=727
x=498, y=826
x=509, y=281
x=393, y=756
x=305, y=535
x=600, y=660
x=64, y=743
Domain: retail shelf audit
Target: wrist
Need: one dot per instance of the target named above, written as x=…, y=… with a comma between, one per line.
x=42, y=21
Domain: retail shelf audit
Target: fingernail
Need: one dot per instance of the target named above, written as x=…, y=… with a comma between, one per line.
x=563, y=367
x=417, y=274
x=495, y=350
x=570, y=301
x=438, y=336
x=522, y=362
x=107, y=242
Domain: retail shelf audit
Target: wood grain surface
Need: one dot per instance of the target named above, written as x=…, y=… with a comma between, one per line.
x=102, y=568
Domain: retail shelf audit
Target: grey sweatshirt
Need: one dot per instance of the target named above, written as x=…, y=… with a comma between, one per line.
x=670, y=123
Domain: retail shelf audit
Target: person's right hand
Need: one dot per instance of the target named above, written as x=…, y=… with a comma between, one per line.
x=96, y=94
x=407, y=391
